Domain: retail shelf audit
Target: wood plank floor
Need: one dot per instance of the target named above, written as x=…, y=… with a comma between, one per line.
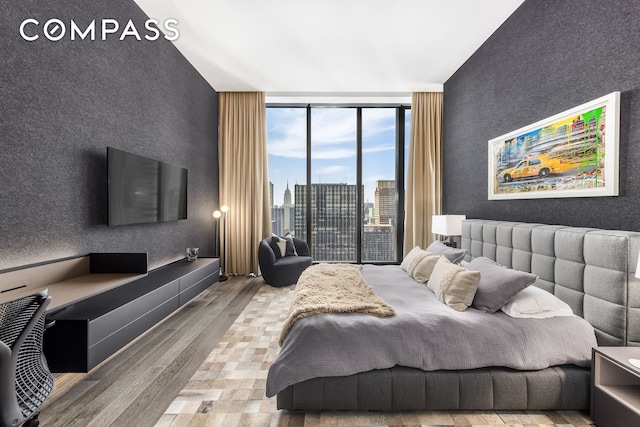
x=206, y=366
x=135, y=386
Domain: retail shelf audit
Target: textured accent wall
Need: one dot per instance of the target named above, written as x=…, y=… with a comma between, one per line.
x=62, y=103
x=548, y=57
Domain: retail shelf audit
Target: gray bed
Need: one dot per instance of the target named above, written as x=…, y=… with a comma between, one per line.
x=592, y=270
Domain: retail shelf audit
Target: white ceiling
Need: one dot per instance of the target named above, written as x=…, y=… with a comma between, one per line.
x=375, y=48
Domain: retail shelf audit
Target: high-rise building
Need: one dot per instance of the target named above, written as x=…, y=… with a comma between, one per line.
x=333, y=220
x=379, y=243
x=334, y=213
x=367, y=213
x=288, y=214
x=287, y=196
x=277, y=222
x=276, y=213
x=385, y=203
x=271, y=203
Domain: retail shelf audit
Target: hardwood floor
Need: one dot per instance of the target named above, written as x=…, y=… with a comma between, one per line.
x=136, y=385
x=206, y=366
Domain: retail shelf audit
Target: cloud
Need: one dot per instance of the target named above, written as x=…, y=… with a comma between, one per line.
x=374, y=178
x=332, y=153
x=378, y=148
x=335, y=169
x=287, y=132
x=331, y=126
x=376, y=121
x=333, y=132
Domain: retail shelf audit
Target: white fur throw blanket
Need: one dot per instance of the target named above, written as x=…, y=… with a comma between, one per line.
x=333, y=288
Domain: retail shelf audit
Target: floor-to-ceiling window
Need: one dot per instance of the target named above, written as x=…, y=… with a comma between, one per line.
x=379, y=229
x=334, y=208
x=287, y=145
x=352, y=158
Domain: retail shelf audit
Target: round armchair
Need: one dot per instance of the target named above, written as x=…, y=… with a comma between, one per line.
x=278, y=270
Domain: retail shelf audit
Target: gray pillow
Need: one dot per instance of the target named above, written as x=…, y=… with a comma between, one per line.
x=497, y=284
x=454, y=255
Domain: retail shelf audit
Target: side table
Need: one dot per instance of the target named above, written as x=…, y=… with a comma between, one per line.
x=615, y=387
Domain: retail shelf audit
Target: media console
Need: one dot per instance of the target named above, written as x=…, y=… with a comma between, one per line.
x=102, y=302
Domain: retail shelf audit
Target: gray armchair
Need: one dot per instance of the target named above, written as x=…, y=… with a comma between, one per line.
x=283, y=270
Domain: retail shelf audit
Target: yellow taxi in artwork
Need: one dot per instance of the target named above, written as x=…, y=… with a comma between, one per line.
x=526, y=168
x=561, y=159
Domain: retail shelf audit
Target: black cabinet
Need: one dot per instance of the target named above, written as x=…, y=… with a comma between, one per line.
x=91, y=330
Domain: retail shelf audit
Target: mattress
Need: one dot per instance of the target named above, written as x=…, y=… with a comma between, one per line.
x=424, y=334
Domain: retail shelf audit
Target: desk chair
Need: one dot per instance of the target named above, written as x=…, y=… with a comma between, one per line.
x=25, y=380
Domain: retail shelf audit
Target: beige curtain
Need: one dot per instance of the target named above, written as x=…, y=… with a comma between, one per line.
x=424, y=181
x=244, y=180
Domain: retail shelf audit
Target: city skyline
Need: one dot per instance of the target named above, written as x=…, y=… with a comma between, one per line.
x=333, y=230
x=383, y=196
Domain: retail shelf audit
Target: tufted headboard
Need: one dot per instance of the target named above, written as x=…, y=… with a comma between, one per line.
x=592, y=270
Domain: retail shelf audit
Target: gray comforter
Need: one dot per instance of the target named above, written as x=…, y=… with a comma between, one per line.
x=426, y=334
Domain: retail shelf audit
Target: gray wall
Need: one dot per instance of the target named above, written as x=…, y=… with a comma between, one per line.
x=548, y=57
x=62, y=103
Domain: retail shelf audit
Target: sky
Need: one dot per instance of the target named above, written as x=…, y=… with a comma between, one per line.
x=333, y=147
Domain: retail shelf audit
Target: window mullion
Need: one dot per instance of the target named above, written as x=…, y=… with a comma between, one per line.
x=308, y=192
x=400, y=136
x=359, y=187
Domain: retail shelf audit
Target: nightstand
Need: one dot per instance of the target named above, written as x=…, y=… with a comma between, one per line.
x=615, y=387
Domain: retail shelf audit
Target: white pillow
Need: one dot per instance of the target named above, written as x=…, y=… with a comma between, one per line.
x=406, y=262
x=422, y=269
x=453, y=285
x=282, y=244
x=535, y=303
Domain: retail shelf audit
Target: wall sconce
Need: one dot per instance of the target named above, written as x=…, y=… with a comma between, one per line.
x=449, y=226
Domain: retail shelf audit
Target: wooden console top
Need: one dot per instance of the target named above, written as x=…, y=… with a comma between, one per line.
x=67, y=282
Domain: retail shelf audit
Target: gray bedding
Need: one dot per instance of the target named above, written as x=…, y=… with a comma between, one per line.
x=426, y=334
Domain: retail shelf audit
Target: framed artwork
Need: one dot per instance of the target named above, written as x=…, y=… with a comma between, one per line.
x=572, y=154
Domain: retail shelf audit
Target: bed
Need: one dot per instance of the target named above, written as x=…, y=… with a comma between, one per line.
x=591, y=270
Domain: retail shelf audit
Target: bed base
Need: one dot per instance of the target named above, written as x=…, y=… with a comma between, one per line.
x=565, y=387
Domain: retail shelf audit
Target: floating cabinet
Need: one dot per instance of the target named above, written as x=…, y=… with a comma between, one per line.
x=91, y=330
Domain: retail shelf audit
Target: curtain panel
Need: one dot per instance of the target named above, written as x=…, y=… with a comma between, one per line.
x=244, y=180
x=424, y=180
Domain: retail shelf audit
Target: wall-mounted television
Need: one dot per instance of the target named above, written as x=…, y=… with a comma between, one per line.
x=143, y=190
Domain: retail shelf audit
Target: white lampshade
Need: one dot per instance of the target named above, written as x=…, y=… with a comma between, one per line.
x=447, y=225
x=217, y=214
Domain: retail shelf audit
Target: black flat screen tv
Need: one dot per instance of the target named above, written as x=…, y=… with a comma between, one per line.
x=143, y=190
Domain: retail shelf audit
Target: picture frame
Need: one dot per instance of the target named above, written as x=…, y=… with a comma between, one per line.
x=570, y=154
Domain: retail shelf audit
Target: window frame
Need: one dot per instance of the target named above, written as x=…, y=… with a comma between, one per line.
x=401, y=132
